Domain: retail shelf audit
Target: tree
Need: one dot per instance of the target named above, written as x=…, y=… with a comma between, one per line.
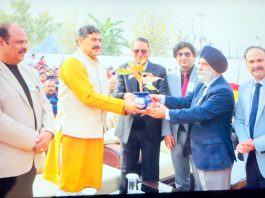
x=111, y=34
x=156, y=29
x=198, y=36
x=66, y=36
x=37, y=28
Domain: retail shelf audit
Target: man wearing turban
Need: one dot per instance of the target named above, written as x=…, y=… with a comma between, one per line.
x=208, y=111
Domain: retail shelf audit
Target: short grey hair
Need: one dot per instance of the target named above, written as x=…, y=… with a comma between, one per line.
x=252, y=47
x=86, y=30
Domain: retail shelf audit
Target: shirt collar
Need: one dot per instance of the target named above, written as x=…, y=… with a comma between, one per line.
x=189, y=71
x=211, y=82
x=145, y=65
x=262, y=82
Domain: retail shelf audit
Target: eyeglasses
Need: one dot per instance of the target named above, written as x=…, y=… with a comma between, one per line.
x=187, y=54
x=143, y=51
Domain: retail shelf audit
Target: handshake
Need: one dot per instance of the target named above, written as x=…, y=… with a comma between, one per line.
x=155, y=109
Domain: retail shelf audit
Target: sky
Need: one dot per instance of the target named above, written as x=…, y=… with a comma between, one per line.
x=231, y=25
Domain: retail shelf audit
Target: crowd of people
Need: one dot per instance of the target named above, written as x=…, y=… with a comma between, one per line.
x=62, y=112
x=48, y=77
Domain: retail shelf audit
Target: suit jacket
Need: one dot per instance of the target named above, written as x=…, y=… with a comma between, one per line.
x=243, y=109
x=210, y=124
x=174, y=85
x=17, y=131
x=124, y=84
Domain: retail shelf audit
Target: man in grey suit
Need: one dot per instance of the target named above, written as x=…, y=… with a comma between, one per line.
x=26, y=117
x=180, y=82
x=250, y=118
x=140, y=134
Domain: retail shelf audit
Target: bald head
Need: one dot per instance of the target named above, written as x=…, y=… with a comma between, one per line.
x=13, y=43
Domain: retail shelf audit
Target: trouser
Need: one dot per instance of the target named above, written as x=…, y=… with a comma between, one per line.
x=181, y=163
x=211, y=180
x=19, y=186
x=254, y=178
x=148, y=168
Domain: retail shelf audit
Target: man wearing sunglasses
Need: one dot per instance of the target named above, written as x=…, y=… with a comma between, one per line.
x=181, y=82
x=140, y=134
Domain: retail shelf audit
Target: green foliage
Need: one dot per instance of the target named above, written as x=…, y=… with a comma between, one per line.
x=156, y=30
x=66, y=36
x=37, y=28
x=112, y=39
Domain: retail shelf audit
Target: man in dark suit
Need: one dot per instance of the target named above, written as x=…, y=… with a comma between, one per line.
x=140, y=134
x=209, y=111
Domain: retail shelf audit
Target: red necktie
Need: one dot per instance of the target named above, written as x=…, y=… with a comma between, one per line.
x=185, y=83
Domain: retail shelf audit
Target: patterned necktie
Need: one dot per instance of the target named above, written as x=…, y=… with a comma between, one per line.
x=185, y=83
x=254, y=109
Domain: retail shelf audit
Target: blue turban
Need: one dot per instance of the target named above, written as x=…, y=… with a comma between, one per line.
x=214, y=58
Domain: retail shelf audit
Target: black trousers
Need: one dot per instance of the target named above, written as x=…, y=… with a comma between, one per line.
x=148, y=166
x=19, y=186
x=254, y=178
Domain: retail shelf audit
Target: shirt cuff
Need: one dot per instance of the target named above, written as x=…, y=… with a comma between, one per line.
x=163, y=99
x=167, y=115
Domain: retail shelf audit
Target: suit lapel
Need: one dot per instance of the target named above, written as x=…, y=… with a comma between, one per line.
x=192, y=80
x=247, y=95
x=174, y=84
x=8, y=75
x=134, y=84
x=209, y=89
x=197, y=94
x=147, y=69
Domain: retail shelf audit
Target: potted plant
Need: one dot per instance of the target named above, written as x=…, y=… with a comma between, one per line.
x=144, y=79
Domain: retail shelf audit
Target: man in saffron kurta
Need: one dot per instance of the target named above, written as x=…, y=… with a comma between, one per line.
x=75, y=157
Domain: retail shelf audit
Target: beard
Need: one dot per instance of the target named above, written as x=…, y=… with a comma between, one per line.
x=206, y=75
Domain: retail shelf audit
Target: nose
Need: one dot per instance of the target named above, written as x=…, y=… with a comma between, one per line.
x=256, y=64
x=25, y=45
x=98, y=42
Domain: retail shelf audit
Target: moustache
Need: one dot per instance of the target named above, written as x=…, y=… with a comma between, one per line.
x=96, y=47
x=22, y=51
x=257, y=68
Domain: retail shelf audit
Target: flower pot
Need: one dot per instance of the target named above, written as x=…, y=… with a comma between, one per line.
x=142, y=98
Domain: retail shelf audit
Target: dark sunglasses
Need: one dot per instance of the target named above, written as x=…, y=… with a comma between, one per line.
x=187, y=54
x=143, y=51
